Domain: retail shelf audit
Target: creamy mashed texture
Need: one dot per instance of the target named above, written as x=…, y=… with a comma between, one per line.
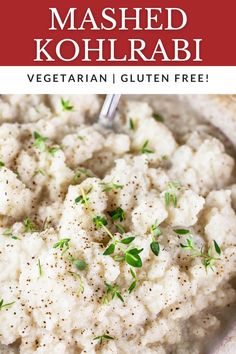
x=71, y=191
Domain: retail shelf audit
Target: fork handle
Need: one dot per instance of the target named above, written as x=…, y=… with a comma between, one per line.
x=108, y=110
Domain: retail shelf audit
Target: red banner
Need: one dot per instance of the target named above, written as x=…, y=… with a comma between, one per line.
x=165, y=32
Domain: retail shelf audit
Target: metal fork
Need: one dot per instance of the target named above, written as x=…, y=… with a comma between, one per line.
x=108, y=110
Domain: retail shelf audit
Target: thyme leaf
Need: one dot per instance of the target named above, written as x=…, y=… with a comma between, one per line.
x=132, y=257
x=170, y=194
x=155, y=247
x=109, y=250
x=181, y=231
x=63, y=245
x=99, y=221
x=103, y=337
x=107, y=187
x=135, y=281
x=40, y=268
x=112, y=291
x=5, y=306
x=158, y=117
x=131, y=124
x=66, y=105
x=117, y=214
x=29, y=225
x=39, y=141
x=144, y=148
x=120, y=229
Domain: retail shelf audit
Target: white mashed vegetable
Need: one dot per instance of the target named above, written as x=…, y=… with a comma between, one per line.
x=67, y=186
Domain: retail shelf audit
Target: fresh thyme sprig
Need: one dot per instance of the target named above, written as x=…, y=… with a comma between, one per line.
x=82, y=172
x=53, y=150
x=129, y=256
x=29, y=225
x=40, y=141
x=208, y=260
x=170, y=194
x=112, y=291
x=144, y=148
x=66, y=105
x=9, y=233
x=111, y=248
x=107, y=187
x=63, y=245
x=83, y=198
x=103, y=337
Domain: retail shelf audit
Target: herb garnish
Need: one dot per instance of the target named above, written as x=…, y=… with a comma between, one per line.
x=111, y=248
x=135, y=281
x=120, y=229
x=39, y=171
x=170, y=194
x=39, y=141
x=53, y=150
x=117, y=214
x=144, y=148
x=63, y=245
x=81, y=285
x=112, y=291
x=6, y=306
x=132, y=257
x=29, y=225
x=40, y=268
x=131, y=124
x=158, y=117
x=208, y=260
x=102, y=338
x=154, y=245
x=9, y=233
x=83, y=199
x=107, y=187
x=99, y=221
x=156, y=231
x=82, y=171
x=80, y=264
x=2, y=164
x=66, y=105
x=181, y=231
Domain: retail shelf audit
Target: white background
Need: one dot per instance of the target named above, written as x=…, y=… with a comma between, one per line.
x=221, y=80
